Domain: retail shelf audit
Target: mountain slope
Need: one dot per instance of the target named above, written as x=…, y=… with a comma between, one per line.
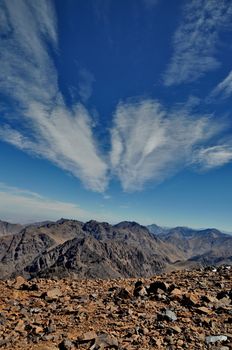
x=92, y=249
x=19, y=250
x=9, y=229
x=105, y=251
x=100, y=250
x=204, y=247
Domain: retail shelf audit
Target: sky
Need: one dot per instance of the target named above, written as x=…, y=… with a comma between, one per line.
x=116, y=110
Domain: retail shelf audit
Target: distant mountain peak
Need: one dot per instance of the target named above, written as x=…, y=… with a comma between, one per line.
x=130, y=224
x=99, y=249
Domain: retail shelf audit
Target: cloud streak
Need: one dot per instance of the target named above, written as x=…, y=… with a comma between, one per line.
x=224, y=88
x=46, y=126
x=195, y=40
x=213, y=157
x=85, y=84
x=150, y=143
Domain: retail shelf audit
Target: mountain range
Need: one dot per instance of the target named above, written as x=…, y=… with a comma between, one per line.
x=100, y=250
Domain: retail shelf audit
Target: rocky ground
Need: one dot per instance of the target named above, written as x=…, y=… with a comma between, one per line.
x=178, y=310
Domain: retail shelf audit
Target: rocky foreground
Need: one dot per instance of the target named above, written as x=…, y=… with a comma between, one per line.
x=178, y=310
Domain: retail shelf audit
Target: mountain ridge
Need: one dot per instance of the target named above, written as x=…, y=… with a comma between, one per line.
x=100, y=250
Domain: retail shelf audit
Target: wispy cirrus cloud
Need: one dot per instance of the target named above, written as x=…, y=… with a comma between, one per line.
x=148, y=141
x=151, y=143
x=214, y=156
x=196, y=38
x=86, y=80
x=46, y=127
x=224, y=88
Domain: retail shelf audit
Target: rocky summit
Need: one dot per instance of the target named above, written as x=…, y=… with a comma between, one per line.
x=176, y=310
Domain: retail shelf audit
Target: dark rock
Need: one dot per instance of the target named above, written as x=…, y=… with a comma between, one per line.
x=155, y=286
x=29, y=287
x=122, y=293
x=2, y=318
x=140, y=290
x=66, y=344
x=222, y=294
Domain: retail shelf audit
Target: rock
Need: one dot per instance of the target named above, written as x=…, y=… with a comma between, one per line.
x=152, y=289
x=190, y=299
x=19, y=281
x=176, y=294
x=222, y=294
x=105, y=341
x=138, y=284
x=35, y=310
x=38, y=330
x=176, y=329
x=29, y=287
x=140, y=291
x=4, y=342
x=204, y=310
x=168, y=315
x=86, y=337
x=215, y=338
x=155, y=342
x=145, y=331
x=20, y=326
x=208, y=299
x=180, y=343
x=66, y=344
x=45, y=347
x=72, y=319
x=122, y=293
x=52, y=294
x=2, y=318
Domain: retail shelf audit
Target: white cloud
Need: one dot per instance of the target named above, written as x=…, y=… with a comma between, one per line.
x=196, y=38
x=149, y=143
x=212, y=157
x=224, y=87
x=46, y=126
x=86, y=80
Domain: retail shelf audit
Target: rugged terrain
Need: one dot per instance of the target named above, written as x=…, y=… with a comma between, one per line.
x=100, y=250
x=7, y=228
x=177, y=310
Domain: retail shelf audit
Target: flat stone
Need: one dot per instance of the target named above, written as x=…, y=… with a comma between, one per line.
x=105, y=341
x=215, y=338
x=204, y=310
x=53, y=293
x=168, y=315
x=88, y=336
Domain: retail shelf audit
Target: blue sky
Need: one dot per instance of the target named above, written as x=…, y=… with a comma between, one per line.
x=116, y=110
